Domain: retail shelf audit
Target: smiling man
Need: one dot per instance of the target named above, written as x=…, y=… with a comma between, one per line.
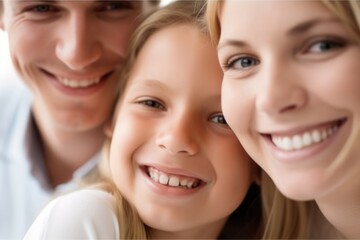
x=69, y=54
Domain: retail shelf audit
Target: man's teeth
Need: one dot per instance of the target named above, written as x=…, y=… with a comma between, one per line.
x=306, y=139
x=78, y=84
x=172, y=181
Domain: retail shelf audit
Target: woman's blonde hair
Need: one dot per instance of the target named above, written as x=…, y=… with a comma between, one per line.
x=286, y=218
x=176, y=13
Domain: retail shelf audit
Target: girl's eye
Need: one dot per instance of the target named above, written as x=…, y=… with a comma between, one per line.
x=325, y=46
x=242, y=63
x=152, y=104
x=219, y=119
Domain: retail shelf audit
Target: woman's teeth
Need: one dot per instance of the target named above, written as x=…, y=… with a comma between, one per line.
x=306, y=139
x=172, y=180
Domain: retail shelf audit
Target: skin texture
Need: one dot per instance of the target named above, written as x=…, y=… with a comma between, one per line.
x=168, y=122
x=296, y=72
x=77, y=41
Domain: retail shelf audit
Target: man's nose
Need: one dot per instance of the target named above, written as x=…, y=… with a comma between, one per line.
x=77, y=47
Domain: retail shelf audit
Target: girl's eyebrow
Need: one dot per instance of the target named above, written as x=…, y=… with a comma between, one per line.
x=152, y=83
x=307, y=25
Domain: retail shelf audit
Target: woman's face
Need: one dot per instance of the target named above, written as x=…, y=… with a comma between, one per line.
x=291, y=92
x=172, y=155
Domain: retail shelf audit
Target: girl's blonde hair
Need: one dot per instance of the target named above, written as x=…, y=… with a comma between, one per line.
x=176, y=13
x=286, y=218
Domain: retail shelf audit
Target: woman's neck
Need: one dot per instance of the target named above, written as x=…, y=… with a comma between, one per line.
x=342, y=208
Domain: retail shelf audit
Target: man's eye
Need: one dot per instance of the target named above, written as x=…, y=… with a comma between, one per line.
x=117, y=5
x=42, y=8
x=220, y=119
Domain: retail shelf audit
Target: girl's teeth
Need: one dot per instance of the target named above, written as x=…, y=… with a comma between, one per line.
x=172, y=181
x=307, y=139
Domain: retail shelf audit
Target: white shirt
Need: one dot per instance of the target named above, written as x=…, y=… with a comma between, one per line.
x=83, y=214
x=24, y=184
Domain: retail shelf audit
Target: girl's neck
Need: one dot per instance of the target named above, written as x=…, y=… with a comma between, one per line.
x=209, y=231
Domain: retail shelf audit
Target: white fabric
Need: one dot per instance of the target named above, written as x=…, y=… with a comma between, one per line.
x=83, y=214
x=24, y=184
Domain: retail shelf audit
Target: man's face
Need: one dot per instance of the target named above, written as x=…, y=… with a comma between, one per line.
x=70, y=54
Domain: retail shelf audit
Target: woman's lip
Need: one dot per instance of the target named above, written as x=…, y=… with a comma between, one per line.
x=303, y=155
x=300, y=130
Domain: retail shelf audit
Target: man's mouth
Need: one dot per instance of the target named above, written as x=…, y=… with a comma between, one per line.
x=78, y=83
x=306, y=138
x=172, y=180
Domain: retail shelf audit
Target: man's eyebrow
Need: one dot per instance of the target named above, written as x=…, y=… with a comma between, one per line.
x=306, y=26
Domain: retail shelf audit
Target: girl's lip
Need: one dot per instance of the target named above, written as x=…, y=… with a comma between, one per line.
x=168, y=191
x=174, y=171
x=303, y=155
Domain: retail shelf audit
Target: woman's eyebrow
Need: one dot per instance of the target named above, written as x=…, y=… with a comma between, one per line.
x=231, y=42
x=307, y=25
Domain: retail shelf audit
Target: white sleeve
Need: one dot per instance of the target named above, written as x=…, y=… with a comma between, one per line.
x=83, y=214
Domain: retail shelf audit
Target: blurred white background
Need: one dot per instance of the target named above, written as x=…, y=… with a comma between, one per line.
x=7, y=74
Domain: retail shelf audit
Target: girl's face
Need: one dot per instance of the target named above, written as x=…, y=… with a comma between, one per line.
x=291, y=92
x=172, y=155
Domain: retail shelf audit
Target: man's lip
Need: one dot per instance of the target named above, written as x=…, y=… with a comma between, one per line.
x=78, y=77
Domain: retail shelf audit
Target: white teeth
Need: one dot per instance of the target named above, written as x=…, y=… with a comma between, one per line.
x=78, y=84
x=306, y=139
x=173, y=181
x=163, y=179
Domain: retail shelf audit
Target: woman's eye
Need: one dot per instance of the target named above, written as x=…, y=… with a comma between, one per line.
x=152, y=104
x=242, y=63
x=220, y=119
x=325, y=46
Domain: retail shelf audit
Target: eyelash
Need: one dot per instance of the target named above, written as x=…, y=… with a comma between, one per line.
x=231, y=63
x=330, y=44
x=155, y=104
x=333, y=43
x=220, y=119
x=36, y=8
x=104, y=6
x=115, y=5
x=151, y=104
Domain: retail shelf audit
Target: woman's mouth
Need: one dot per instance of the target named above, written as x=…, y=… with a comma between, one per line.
x=306, y=138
